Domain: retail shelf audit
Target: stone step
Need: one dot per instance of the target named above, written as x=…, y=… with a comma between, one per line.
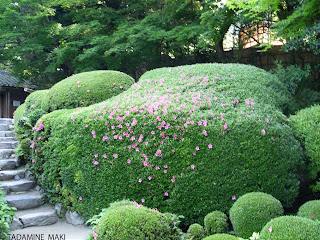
x=8, y=145
x=6, y=133
x=11, y=174
x=6, y=153
x=13, y=186
x=6, y=121
x=40, y=216
x=8, y=139
x=8, y=164
x=26, y=200
x=4, y=127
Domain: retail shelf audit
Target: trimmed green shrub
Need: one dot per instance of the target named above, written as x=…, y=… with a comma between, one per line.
x=134, y=222
x=6, y=213
x=252, y=211
x=87, y=88
x=19, y=113
x=195, y=135
x=196, y=231
x=37, y=100
x=290, y=227
x=216, y=222
x=306, y=124
x=221, y=236
x=310, y=209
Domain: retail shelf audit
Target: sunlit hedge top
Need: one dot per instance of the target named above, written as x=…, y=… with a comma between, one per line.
x=183, y=140
x=87, y=88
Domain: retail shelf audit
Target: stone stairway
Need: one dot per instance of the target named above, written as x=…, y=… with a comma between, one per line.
x=20, y=190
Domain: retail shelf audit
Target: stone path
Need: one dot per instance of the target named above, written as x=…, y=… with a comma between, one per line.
x=32, y=215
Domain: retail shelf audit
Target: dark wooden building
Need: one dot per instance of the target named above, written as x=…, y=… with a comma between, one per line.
x=12, y=94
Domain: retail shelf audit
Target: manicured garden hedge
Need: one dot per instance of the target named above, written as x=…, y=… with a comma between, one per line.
x=290, y=227
x=306, y=124
x=185, y=140
x=252, y=211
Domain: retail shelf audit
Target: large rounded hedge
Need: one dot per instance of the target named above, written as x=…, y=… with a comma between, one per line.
x=306, y=124
x=310, y=209
x=134, y=222
x=87, y=88
x=252, y=211
x=183, y=140
x=290, y=227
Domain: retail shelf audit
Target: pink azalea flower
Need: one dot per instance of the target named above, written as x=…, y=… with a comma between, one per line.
x=210, y=146
x=140, y=180
x=165, y=171
x=225, y=126
x=205, y=133
x=270, y=229
x=173, y=179
x=149, y=177
x=233, y=197
x=104, y=155
x=128, y=161
x=192, y=166
x=115, y=155
x=197, y=148
x=80, y=198
x=263, y=131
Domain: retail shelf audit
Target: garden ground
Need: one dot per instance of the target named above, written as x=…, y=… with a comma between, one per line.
x=61, y=228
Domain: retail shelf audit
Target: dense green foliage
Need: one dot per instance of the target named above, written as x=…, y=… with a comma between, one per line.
x=6, y=214
x=133, y=221
x=168, y=140
x=310, y=209
x=87, y=88
x=46, y=41
x=196, y=232
x=221, y=236
x=300, y=84
x=252, y=211
x=290, y=227
x=306, y=124
x=216, y=222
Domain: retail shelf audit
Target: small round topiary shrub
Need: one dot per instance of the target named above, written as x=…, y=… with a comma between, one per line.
x=215, y=222
x=252, y=211
x=196, y=231
x=221, y=236
x=290, y=227
x=310, y=209
x=87, y=88
x=134, y=222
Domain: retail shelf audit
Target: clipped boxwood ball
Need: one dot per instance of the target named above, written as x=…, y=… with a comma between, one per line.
x=221, y=236
x=196, y=231
x=134, y=222
x=87, y=88
x=216, y=222
x=252, y=211
x=290, y=227
x=310, y=209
